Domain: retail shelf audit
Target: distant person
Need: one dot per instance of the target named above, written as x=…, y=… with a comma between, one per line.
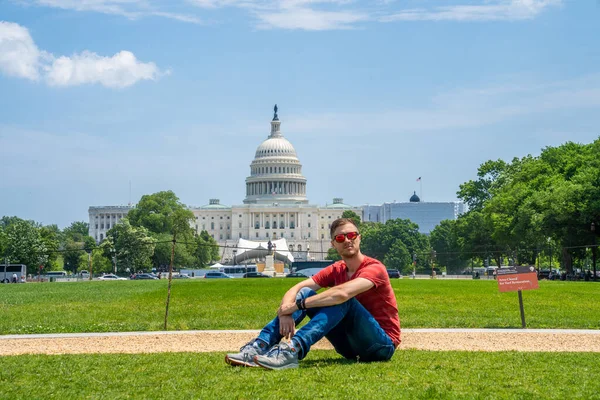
x=22, y=278
x=358, y=314
x=14, y=278
x=159, y=275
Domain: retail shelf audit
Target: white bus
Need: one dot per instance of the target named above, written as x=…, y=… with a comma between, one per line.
x=7, y=271
x=55, y=274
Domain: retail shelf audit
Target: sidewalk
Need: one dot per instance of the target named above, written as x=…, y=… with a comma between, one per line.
x=554, y=340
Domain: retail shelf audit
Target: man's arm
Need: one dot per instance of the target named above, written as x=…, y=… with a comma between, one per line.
x=290, y=295
x=331, y=297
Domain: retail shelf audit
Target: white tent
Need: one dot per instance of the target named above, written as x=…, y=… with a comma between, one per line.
x=216, y=266
x=247, y=249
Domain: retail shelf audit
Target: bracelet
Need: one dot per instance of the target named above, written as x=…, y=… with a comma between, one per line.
x=300, y=304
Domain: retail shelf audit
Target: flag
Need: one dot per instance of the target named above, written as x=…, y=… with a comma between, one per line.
x=419, y=179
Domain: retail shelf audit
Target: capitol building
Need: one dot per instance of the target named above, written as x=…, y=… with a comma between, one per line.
x=276, y=209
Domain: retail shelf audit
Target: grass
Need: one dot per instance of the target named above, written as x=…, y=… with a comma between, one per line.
x=323, y=374
x=249, y=303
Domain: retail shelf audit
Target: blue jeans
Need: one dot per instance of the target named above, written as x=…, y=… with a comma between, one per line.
x=350, y=328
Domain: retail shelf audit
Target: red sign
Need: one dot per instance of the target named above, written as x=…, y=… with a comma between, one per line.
x=513, y=279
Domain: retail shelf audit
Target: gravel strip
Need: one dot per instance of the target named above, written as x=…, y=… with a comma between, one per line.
x=226, y=341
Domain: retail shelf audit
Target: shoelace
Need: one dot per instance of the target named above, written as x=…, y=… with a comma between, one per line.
x=277, y=349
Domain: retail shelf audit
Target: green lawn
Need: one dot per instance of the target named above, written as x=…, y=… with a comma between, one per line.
x=250, y=303
x=322, y=375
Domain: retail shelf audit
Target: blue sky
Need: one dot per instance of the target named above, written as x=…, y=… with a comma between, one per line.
x=178, y=94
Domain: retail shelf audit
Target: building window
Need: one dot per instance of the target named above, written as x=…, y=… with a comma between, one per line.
x=96, y=226
x=240, y=225
x=108, y=226
x=292, y=225
x=212, y=217
x=212, y=226
x=221, y=236
x=240, y=235
x=228, y=218
x=256, y=234
x=227, y=227
x=292, y=234
x=299, y=247
x=281, y=234
x=203, y=217
x=256, y=226
x=267, y=225
x=309, y=224
x=196, y=227
x=322, y=236
x=322, y=226
x=308, y=234
x=203, y=227
x=101, y=226
x=221, y=217
x=228, y=236
x=221, y=226
x=101, y=237
x=308, y=215
x=240, y=215
x=329, y=217
x=281, y=226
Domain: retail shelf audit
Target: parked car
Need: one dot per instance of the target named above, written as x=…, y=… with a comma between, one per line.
x=255, y=275
x=181, y=276
x=111, y=277
x=394, y=273
x=145, y=276
x=216, y=275
x=296, y=275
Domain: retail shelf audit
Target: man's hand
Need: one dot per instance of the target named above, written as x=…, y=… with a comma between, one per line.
x=287, y=327
x=287, y=309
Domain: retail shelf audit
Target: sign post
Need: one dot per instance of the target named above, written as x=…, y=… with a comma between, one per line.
x=517, y=279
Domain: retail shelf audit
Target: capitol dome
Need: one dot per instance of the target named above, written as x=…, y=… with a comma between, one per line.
x=275, y=146
x=275, y=173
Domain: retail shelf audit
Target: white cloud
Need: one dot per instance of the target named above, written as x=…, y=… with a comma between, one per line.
x=309, y=19
x=20, y=57
x=132, y=9
x=499, y=10
x=120, y=70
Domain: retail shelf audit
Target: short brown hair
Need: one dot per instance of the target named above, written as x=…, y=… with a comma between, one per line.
x=339, y=222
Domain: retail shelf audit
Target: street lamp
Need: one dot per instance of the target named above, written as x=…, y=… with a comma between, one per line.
x=114, y=257
x=550, y=252
x=595, y=248
x=433, y=255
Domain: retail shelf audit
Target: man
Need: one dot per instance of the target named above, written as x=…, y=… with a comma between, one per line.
x=358, y=314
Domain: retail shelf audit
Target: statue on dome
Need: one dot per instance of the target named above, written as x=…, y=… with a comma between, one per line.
x=275, y=117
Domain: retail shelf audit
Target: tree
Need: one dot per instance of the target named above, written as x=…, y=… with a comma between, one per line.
x=206, y=250
x=133, y=245
x=353, y=216
x=445, y=242
x=162, y=212
x=24, y=244
x=398, y=257
x=332, y=255
x=77, y=231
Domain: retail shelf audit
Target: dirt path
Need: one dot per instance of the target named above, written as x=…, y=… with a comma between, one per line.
x=222, y=341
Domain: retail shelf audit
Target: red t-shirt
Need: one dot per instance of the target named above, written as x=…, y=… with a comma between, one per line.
x=380, y=300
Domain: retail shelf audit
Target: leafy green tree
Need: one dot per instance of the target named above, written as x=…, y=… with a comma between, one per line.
x=24, y=244
x=332, y=255
x=445, y=242
x=353, y=216
x=51, y=236
x=206, y=250
x=162, y=212
x=398, y=257
x=77, y=231
x=134, y=246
